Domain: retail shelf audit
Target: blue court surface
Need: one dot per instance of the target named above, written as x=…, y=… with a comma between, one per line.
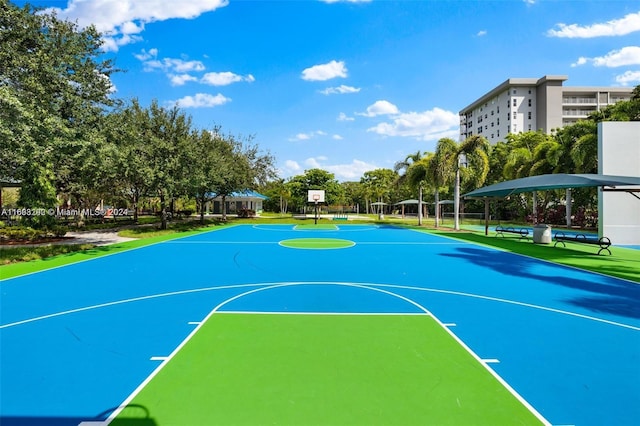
x=76, y=341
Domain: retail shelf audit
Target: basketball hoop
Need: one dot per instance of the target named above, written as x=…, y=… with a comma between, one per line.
x=316, y=198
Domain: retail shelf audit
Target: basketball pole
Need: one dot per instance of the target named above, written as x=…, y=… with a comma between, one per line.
x=316, y=218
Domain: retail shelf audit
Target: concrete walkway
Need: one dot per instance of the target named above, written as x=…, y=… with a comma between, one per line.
x=97, y=238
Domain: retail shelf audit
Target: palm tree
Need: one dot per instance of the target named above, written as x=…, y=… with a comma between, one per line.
x=417, y=175
x=444, y=167
x=402, y=168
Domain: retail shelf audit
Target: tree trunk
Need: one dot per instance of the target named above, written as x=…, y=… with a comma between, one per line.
x=437, y=200
x=135, y=207
x=202, y=201
x=163, y=212
x=223, y=207
x=419, y=207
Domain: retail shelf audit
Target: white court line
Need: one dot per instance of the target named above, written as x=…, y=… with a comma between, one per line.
x=194, y=322
x=491, y=361
x=273, y=286
x=221, y=242
x=350, y=314
x=158, y=358
x=112, y=254
x=432, y=290
x=512, y=302
x=123, y=301
x=449, y=324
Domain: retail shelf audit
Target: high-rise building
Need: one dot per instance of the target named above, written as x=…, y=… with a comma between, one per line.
x=531, y=104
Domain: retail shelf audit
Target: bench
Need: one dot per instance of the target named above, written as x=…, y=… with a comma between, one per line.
x=501, y=230
x=602, y=242
x=340, y=216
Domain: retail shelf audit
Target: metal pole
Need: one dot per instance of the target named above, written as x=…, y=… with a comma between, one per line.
x=456, y=201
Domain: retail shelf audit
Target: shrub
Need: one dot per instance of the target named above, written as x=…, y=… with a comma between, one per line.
x=246, y=213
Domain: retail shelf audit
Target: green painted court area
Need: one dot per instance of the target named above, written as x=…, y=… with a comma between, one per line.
x=295, y=369
x=317, y=243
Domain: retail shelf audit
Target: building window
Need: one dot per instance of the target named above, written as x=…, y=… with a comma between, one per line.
x=485, y=116
x=529, y=102
x=529, y=91
x=498, y=133
x=514, y=115
x=529, y=127
x=514, y=91
x=529, y=115
x=486, y=127
x=497, y=110
x=498, y=121
x=492, y=136
x=515, y=102
x=492, y=124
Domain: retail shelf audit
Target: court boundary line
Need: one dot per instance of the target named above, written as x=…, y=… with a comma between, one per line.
x=562, y=265
x=216, y=310
x=405, y=287
x=112, y=254
x=291, y=227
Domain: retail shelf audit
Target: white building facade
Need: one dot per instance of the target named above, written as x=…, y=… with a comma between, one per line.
x=529, y=104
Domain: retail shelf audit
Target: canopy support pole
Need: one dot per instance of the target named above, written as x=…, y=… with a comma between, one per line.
x=486, y=216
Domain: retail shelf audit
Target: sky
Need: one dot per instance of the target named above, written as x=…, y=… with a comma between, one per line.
x=350, y=86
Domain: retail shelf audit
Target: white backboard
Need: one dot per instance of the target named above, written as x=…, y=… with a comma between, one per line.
x=315, y=196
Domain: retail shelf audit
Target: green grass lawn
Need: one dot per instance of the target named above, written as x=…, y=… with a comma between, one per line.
x=250, y=369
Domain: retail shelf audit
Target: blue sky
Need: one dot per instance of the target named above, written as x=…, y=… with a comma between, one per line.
x=351, y=86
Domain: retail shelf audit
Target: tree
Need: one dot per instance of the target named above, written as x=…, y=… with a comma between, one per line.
x=207, y=167
x=378, y=183
x=131, y=156
x=314, y=179
x=445, y=166
x=243, y=166
x=418, y=176
x=55, y=87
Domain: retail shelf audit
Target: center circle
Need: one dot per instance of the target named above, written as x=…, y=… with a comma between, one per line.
x=317, y=243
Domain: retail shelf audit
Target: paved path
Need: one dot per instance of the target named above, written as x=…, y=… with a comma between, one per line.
x=98, y=238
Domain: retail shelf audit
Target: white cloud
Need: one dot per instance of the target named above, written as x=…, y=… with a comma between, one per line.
x=340, y=90
x=201, y=100
x=344, y=117
x=428, y=125
x=180, y=65
x=118, y=19
x=181, y=79
x=307, y=136
x=292, y=165
x=145, y=56
x=629, y=77
x=616, y=27
x=171, y=65
x=326, y=71
x=529, y=2
x=482, y=33
x=380, y=108
x=337, y=137
x=342, y=172
x=629, y=55
x=224, y=78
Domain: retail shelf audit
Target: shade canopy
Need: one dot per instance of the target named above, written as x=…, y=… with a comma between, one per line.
x=552, y=181
x=406, y=202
